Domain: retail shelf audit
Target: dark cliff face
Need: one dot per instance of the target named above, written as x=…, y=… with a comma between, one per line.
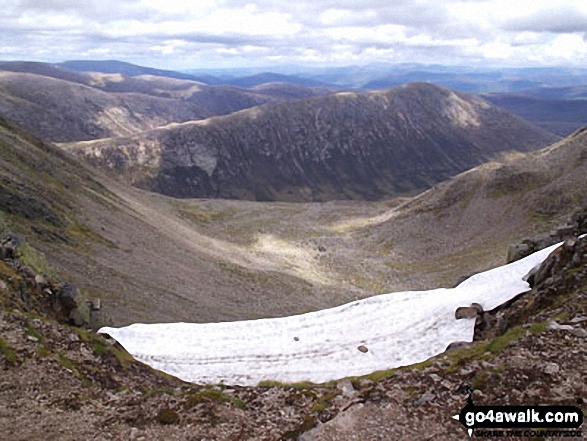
x=342, y=146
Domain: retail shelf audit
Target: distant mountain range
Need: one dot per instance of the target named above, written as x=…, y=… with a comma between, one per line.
x=552, y=98
x=340, y=146
x=63, y=106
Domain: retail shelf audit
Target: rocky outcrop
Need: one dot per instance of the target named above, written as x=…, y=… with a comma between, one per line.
x=575, y=227
x=558, y=284
x=36, y=292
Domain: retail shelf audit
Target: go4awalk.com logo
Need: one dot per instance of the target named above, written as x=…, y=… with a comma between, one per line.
x=536, y=421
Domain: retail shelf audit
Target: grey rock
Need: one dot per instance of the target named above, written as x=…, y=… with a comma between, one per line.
x=556, y=327
x=27, y=271
x=466, y=312
x=552, y=368
x=346, y=387
x=579, y=332
x=134, y=433
x=518, y=251
x=425, y=398
x=457, y=345
x=72, y=306
x=579, y=319
x=40, y=280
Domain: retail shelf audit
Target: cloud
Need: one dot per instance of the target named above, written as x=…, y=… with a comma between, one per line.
x=557, y=20
x=187, y=33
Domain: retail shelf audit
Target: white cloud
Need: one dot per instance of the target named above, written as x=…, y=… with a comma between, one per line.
x=184, y=32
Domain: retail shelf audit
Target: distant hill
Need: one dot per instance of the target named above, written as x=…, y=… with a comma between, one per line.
x=128, y=69
x=63, y=111
x=63, y=106
x=342, y=146
x=269, y=77
x=559, y=116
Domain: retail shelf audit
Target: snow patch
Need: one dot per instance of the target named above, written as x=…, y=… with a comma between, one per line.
x=397, y=329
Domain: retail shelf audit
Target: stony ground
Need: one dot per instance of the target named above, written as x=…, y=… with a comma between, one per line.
x=62, y=382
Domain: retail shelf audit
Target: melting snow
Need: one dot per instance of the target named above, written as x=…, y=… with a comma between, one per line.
x=397, y=329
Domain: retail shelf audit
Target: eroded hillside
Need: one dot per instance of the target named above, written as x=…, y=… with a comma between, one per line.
x=342, y=146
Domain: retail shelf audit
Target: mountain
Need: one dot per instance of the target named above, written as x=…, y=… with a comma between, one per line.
x=269, y=77
x=62, y=111
x=481, y=211
x=559, y=116
x=147, y=257
x=342, y=146
x=136, y=252
x=128, y=69
x=62, y=106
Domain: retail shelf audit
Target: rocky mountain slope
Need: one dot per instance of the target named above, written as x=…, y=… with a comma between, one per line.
x=214, y=260
x=355, y=146
x=61, y=110
x=61, y=105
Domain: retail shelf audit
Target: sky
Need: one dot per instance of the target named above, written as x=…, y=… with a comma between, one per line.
x=197, y=34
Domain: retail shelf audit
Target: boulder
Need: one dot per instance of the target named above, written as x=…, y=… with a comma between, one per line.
x=466, y=312
x=455, y=345
x=518, y=251
x=71, y=306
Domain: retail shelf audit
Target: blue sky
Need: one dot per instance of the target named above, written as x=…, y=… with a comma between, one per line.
x=183, y=34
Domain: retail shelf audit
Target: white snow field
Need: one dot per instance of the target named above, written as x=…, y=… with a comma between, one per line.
x=398, y=329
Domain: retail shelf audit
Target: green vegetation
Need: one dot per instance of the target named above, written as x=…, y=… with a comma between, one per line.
x=215, y=395
x=71, y=366
x=194, y=213
x=83, y=235
x=299, y=385
x=167, y=416
x=7, y=351
x=35, y=259
x=479, y=380
x=102, y=347
x=33, y=332
x=324, y=401
x=158, y=391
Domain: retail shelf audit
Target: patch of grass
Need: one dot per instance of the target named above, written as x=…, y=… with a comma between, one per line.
x=213, y=395
x=381, y=375
x=35, y=259
x=196, y=214
x=479, y=381
x=167, y=416
x=324, y=401
x=33, y=332
x=7, y=351
x=298, y=385
x=83, y=235
x=42, y=351
x=102, y=347
x=158, y=391
x=70, y=365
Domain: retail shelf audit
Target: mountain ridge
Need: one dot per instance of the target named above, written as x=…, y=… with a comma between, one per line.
x=345, y=145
